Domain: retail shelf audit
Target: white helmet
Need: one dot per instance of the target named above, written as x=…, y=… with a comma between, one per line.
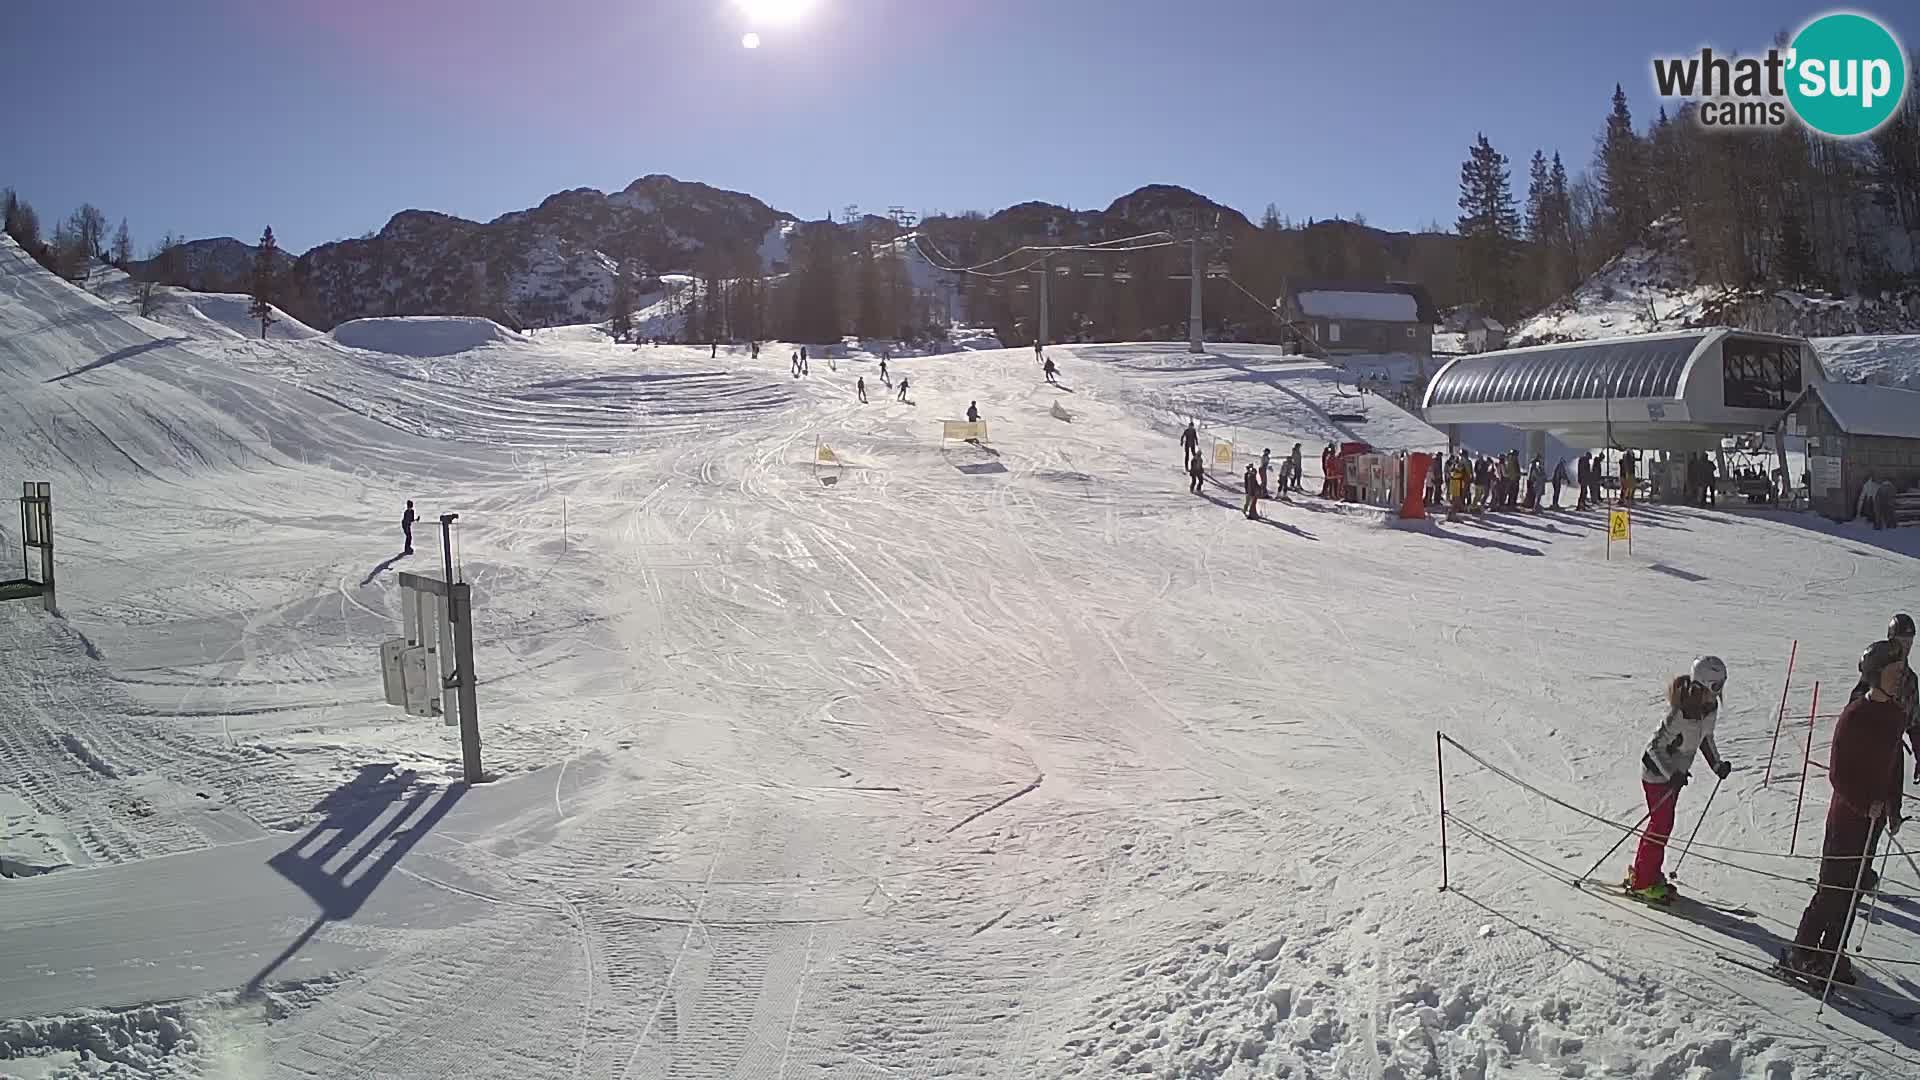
x=1710, y=671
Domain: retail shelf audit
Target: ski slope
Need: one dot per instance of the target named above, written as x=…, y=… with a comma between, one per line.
x=934, y=760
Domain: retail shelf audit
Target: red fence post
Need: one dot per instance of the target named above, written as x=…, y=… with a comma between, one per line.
x=1781, y=719
x=1805, y=768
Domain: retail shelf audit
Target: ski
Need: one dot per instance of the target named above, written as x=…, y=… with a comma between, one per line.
x=1843, y=994
x=1678, y=904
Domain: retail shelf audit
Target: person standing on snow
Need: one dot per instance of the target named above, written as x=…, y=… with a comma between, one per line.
x=1900, y=632
x=1865, y=793
x=1051, y=371
x=1293, y=467
x=1189, y=442
x=860, y=386
x=1251, y=481
x=903, y=388
x=1197, y=471
x=973, y=412
x=1586, y=478
x=1559, y=480
x=1536, y=484
x=1326, y=472
x=883, y=371
x=1266, y=457
x=406, y=528
x=1693, y=703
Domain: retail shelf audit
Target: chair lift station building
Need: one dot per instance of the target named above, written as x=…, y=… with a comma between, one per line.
x=1682, y=391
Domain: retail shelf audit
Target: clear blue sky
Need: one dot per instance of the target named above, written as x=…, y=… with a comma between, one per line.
x=325, y=117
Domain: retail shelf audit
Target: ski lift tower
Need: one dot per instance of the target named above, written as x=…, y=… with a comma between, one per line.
x=1190, y=225
x=36, y=531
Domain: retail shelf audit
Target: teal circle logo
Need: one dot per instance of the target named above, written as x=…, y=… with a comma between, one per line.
x=1847, y=75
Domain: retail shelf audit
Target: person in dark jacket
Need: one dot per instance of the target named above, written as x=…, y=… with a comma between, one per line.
x=1052, y=373
x=1196, y=471
x=1189, y=442
x=860, y=387
x=406, y=528
x=1559, y=481
x=973, y=412
x=1252, y=483
x=1864, y=771
x=1900, y=632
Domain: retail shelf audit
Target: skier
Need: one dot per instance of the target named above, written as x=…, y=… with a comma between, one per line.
x=1293, y=466
x=796, y=365
x=973, y=412
x=1326, y=472
x=883, y=371
x=406, y=528
x=903, y=388
x=1586, y=478
x=1051, y=371
x=1536, y=484
x=1627, y=465
x=860, y=385
x=1037, y=355
x=1197, y=472
x=1437, y=480
x=803, y=359
x=1251, y=482
x=1693, y=703
x=1711, y=471
x=1461, y=480
x=1266, y=456
x=1559, y=479
x=1189, y=442
x=716, y=351
x=1900, y=632
x=1865, y=792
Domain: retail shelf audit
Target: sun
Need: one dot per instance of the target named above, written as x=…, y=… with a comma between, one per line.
x=775, y=12
x=750, y=40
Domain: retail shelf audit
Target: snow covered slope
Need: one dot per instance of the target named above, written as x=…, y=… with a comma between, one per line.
x=914, y=758
x=199, y=314
x=422, y=335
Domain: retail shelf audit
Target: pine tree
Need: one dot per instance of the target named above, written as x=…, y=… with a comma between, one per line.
x=263, y=280
x=1489, y=228
x=1563, y=262
x=1270, y=221
x=122, y=246
x=22, y=223
x=620, y=319
x=1622, y=174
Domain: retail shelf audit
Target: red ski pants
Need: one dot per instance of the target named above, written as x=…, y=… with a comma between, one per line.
x=1653, y=843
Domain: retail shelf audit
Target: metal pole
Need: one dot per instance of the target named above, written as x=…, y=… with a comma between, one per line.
x=1196, y=342
x=1781, y=719
x=446, y=543
x=460, y=605
x=1806, y=767
x=1046, y=277
x=1874, y=904
x=1696, y=826
x=1440, y=764
x=46, y=548
x=1672, y=790
x=1853, y=907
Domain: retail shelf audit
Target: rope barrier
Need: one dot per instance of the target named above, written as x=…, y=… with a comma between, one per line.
x=1908, y=891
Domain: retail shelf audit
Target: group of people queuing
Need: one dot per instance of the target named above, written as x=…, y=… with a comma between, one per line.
x=1866, y=770
x=1494, y=482
x=1258, y=481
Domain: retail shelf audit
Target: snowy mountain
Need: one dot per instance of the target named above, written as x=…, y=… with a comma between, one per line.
x=221, y=264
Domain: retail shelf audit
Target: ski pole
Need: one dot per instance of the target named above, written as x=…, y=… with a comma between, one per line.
x=1853, y=907
x=1696, y=825
x=1672, y=790
x=1903, y=854
x=1874, y=904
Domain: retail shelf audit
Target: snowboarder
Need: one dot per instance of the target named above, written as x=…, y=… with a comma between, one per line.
x=860, y=385
x=1051, y=371
x=973, y=412
x=1693, y=703
x=1900, y=632
x=1196, y=472
x=1559, y=479
x=1293, y=466
x=406, y=528
x=903, y=388
x=1251, y=482
x=1865, y=792
x=1189, y=442
x=1266, y=456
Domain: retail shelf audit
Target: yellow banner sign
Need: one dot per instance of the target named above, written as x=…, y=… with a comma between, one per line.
x=1617, y=525
x=826, y=453
x=1223, y=454
x=961, y=429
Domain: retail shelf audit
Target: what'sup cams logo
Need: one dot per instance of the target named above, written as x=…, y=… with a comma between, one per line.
x=1843, y=75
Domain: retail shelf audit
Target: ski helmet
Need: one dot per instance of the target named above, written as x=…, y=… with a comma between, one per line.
x=1877, y=658
x=1711, y=672
x=1901, y=626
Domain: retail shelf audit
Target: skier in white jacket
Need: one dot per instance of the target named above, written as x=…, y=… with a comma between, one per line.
x=1693, y=704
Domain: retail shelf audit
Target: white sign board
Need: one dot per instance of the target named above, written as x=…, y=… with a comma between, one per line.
x=1824, y=473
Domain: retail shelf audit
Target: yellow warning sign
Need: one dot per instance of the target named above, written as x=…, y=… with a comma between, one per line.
x=1617, y=525
x=1223, y=455
x=826, y=453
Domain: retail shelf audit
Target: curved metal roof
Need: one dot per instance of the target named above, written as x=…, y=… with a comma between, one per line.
x=1619, y=368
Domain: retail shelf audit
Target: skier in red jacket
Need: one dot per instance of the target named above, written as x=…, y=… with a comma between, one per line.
x=1865, y=773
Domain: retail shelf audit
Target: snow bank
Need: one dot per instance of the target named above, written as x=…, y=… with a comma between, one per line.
x=422, y=335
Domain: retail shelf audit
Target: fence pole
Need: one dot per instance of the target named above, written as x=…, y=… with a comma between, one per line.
x=1440, y=766
x=1781, y=719
x=1805, y=768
